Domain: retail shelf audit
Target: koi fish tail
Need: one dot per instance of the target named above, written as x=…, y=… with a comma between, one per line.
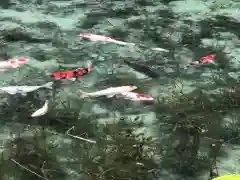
x=48, y=85
x=89, y=66
x=83, y=94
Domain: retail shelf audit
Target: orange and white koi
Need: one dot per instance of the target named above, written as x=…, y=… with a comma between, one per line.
x=109, y=92
x=9, y=64
x=135, y=96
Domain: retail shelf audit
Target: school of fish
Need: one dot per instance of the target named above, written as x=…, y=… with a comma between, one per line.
x=124, y=92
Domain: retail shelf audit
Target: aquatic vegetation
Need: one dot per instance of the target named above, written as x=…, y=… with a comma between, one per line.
x=122, y=154
x=31, y=153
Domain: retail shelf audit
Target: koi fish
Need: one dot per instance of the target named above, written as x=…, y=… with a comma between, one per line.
x=42, y=111
x=206, y=59
x=136, y=96
x=105, y=39
x=141, y=68
x=4, y=65
x=95, y=37
x=109, y=92
x=73, y=74
x=23, y=90
x=203, y=60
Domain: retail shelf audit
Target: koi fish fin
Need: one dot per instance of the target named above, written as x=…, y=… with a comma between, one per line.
x=83, y=94
x=89, y=66
x=110, y=96
x=92, y=39
x=15, y=65
x=12, y=93
x=134, y=99
x=213, y=62
x=72, y=79
x=130, y=44
x=23, y=93
x=76, y=78
x=48, y=85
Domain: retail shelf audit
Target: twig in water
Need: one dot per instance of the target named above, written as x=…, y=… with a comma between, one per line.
x=28, y=169
x=78, y=137
x=104, y=172
x=228, y=141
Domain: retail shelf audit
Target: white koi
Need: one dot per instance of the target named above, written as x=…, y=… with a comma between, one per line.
x=42, y=111
x=135, y=96
x=95, y=37
x=23, y=90
x=109, y=92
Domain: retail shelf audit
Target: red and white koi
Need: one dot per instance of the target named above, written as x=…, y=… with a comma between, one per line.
x=109, y=92
x=136, y=96
x=73, y=74
x=203, y=60
x=9, y=64
x=95, y=37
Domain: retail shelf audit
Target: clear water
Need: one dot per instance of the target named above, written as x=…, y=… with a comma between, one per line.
x=194, y=122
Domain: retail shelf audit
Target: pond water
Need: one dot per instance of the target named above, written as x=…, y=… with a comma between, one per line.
x=190, y=131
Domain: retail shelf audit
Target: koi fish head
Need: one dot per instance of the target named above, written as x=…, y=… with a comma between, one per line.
x=132, y=87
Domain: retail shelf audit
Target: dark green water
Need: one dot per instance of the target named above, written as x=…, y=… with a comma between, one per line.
x=194, y=122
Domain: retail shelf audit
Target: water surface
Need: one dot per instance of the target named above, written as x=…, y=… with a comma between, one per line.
x=194, y=122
